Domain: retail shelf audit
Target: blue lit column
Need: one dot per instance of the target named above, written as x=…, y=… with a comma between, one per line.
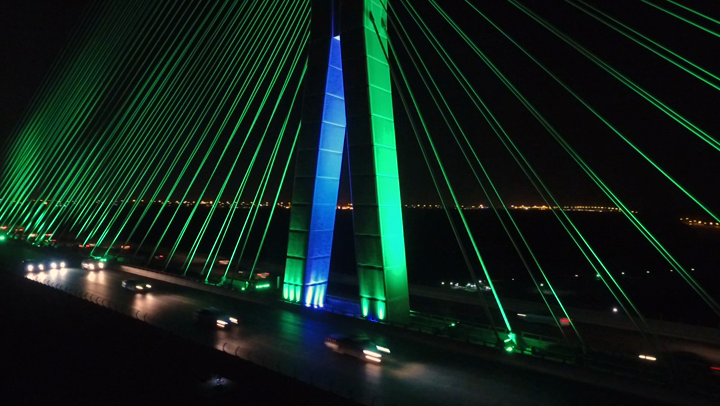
x=327, y=181
x=317, y=177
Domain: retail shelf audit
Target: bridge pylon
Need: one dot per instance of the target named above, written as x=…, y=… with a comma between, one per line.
x=347, y=103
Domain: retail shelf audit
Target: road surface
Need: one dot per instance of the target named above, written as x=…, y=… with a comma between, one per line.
x=422, y=370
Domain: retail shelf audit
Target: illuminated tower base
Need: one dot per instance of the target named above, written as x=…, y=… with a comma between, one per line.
x=348, y=85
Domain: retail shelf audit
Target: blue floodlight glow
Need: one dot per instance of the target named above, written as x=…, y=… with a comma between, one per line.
x=327, y=181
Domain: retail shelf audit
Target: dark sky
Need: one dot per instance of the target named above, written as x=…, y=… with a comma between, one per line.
x=34, y=33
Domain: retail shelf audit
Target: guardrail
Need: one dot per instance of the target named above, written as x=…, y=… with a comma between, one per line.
x=621, y=364
x=551, y=348
x=534, y=345
x=318, y=378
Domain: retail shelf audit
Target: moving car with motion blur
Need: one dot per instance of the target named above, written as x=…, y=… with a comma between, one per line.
x=136, y=285
x=544, y=317
x=214, y=317
x=358, y=347
x=32, y=265
x=92, y=264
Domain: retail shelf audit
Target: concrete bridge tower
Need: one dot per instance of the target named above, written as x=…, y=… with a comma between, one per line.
x=347, y=103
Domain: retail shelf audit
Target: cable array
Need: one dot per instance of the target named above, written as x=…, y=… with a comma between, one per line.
x=154, y=104
x=146, y=100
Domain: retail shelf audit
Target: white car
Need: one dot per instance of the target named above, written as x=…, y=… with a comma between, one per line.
x=358, y=347
x=59, y=264
x=136, y=285
x=33, y=266
x=543, y=317
x=92, y=264
x=212, y=317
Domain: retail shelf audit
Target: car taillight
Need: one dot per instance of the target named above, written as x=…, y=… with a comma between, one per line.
x=564, y=320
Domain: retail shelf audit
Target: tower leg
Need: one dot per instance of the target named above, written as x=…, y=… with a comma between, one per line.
x=377, y=209
x=318, y=166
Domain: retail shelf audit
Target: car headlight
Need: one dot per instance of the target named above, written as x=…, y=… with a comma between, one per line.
x=383, y=349
x=91, y=266
x=30, y=268
x=101, y=265
x=53, y=265
x=138, y=287
x=372, y=353
x=62, y=265
x=148, y=286
x=41, y=267
x=221, y=323
x=233, y=320
x=374, y=359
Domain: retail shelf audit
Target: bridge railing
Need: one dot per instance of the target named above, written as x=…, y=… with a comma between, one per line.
x=619, y=364
x=549, y=348
x=320, y=378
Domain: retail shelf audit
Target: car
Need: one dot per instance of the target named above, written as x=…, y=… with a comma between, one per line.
x=57, y=264
x=136, y=285
x=92, y=264
x=357, y=346
x=543, y=317
x=214, y=317
x=32, y=265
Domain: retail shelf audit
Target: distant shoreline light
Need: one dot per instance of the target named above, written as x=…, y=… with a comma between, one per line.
x=349, y=206
x=598, y=209
x=700, y=223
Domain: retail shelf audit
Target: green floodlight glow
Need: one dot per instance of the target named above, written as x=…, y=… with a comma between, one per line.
x=2, y=238
x=262, y=286
x=510, y=342
x=382, y=268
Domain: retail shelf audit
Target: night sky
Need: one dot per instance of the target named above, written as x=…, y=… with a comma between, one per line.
x=34, y=33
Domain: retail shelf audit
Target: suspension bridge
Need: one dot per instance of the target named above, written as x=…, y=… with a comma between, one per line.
x=222, y=142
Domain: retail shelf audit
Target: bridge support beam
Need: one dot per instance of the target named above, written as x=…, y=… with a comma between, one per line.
x=318, y=166
x=365, y=96
x=377, y=209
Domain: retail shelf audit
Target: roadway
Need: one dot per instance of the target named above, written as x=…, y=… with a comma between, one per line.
x=421, y=370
